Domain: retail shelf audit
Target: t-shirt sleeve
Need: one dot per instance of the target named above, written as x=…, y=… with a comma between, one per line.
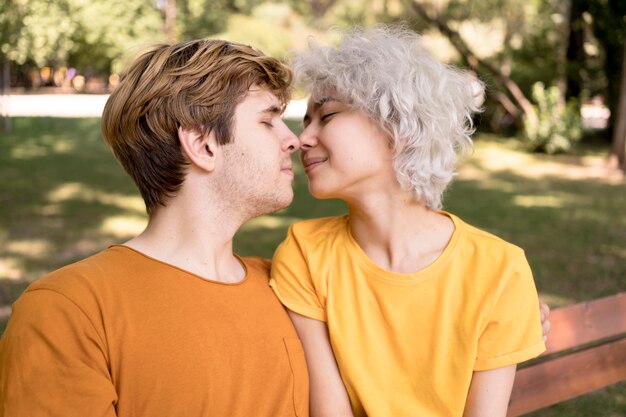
x=53, y=361
x=513, y=331
x=292, y=281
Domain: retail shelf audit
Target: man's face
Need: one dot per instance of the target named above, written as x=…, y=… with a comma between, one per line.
x=257, y=170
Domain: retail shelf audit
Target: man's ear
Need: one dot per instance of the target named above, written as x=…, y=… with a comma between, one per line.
x=200, y=149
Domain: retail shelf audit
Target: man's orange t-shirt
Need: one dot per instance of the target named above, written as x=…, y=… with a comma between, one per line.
x=122, y=334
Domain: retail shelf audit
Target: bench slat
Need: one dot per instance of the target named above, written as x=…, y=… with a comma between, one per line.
x=566, y=377
x=587, y=322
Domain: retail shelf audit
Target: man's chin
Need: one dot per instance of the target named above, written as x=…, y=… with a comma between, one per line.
x=277, y=204
x=284, y=202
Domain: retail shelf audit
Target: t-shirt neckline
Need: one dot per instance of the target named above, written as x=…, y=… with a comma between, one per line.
x=192, y=274
x=404, y=278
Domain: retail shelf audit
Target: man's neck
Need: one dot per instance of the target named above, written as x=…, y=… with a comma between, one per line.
x=196, y=239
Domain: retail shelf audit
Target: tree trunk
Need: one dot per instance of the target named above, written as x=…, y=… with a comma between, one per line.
x=517, y=107
x=170, y=21
x=575, y=53
x=618, y=148
x=608, y=27
x=5, y=92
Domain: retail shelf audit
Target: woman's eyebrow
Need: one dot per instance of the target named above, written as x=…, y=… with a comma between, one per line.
x=319, y=103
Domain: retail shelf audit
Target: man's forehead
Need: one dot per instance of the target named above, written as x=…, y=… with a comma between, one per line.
x=263, y=96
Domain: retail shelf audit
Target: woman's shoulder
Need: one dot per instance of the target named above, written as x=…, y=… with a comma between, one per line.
x=485, y=241
x=319, y=227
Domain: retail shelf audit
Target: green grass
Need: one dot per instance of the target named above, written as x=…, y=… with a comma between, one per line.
x=64, y=197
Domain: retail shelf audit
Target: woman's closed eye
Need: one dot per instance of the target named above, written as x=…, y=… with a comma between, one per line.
x=327, y=116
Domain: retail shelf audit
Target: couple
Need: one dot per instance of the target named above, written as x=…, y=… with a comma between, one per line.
x=400, y=309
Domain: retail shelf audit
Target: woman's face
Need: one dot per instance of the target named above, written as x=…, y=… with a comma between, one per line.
x=344, y=153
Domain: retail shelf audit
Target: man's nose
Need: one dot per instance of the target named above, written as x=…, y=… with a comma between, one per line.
x=290, y=140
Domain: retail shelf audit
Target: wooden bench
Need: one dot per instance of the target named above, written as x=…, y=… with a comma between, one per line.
x=586, y=351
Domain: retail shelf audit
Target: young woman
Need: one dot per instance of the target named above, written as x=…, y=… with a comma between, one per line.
x=402, y=309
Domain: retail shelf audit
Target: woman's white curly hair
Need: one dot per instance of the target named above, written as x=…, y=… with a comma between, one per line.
x=424, y=106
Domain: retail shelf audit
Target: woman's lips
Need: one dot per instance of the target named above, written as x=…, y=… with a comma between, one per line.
x=311, y=163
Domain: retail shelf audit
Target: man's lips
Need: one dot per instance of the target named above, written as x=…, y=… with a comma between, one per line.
x=311, y=163
x=287, y=169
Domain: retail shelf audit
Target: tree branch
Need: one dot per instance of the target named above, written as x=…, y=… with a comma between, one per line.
x=501, y=80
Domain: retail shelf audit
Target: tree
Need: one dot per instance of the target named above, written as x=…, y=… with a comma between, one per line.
x=201, y=18
x=618, y=150
x=37, y=30
x=608, y=27
x=107, y=31
x=519, y=105
x=91, y=34
x=170, y=21
x=575, y=50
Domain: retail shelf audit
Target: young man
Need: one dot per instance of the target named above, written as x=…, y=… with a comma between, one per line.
x=173, y=323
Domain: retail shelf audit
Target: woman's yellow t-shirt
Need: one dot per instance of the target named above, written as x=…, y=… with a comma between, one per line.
x=407, y=344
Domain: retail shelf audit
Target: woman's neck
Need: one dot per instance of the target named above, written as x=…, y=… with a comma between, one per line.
x=397, y=232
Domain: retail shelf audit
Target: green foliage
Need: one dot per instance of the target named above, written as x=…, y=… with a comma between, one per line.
x=36, y=30
x=108, y=32
x=557, y=124
x=96, y=35
x=542, y=31
x=76, y=32
x=271, y=39
x=197, y=19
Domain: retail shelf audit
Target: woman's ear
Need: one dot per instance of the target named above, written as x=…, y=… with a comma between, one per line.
x=201, y=150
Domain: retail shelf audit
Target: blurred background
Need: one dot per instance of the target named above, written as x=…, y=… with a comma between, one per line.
x=547, y=173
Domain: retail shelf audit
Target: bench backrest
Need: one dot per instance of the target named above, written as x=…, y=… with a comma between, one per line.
x=586, y=351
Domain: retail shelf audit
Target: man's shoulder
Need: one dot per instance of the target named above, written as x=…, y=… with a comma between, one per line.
x=257, y=264
x=83, y=275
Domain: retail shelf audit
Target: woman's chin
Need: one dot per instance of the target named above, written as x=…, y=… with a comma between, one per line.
x=320, y=194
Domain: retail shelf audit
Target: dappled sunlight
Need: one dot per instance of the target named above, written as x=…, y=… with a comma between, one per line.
x=11, y=268
x=615, y=250
x=270, y=222
x=123, y=227
x=28, y=151
x=492, y=158
x=41, y=147
x=5, y=312
x=491, y=35
x=590, y=167
x=67, y=191
x=261, y=236
x=538, y=201
x=86, y=246
x=33, y=248
x=79, y=191
x=472, y=172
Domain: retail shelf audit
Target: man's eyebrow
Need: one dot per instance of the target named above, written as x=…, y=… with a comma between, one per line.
x=273, y=109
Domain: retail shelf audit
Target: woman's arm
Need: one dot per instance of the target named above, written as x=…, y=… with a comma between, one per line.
x=328, y=395
x=489, y=392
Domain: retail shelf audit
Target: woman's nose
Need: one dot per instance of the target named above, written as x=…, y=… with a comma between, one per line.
x=308, y=138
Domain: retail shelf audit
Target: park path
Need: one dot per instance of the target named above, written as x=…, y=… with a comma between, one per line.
x=84, y=105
